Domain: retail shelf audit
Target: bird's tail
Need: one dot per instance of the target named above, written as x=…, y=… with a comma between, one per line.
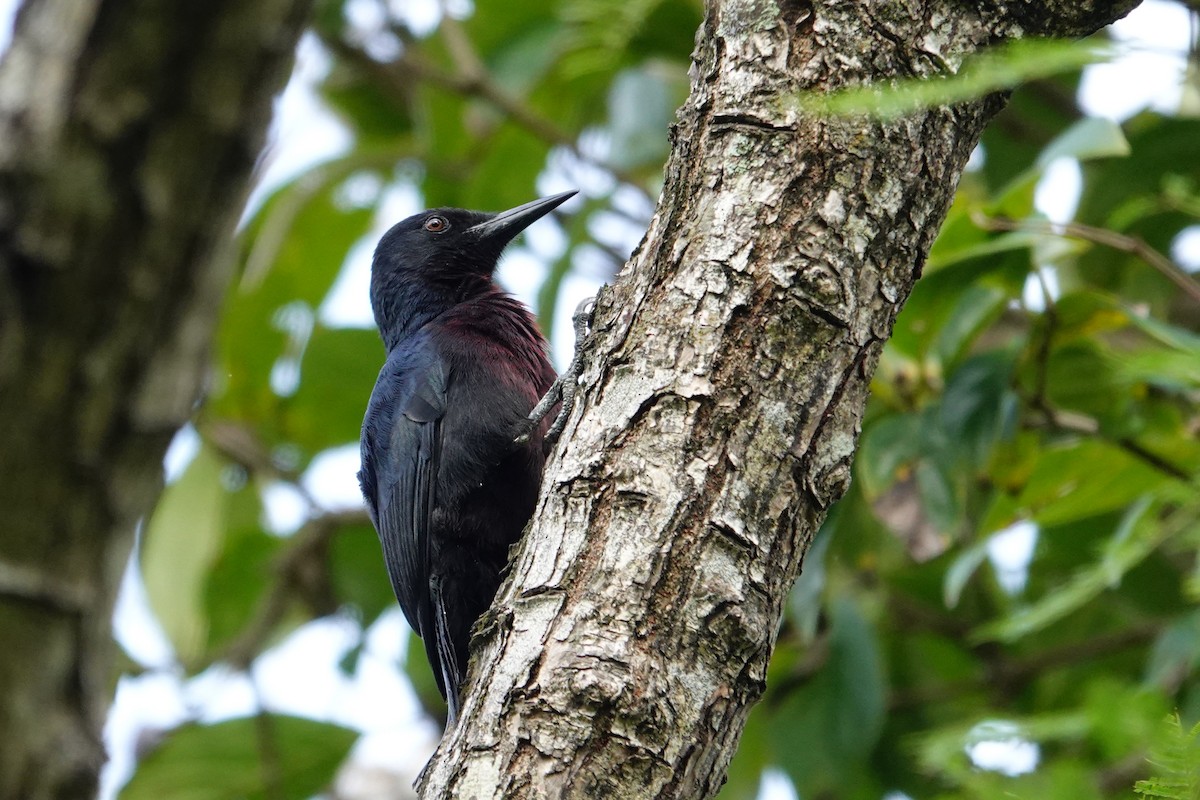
x=447, y=658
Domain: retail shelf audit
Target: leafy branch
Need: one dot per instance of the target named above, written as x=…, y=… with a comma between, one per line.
x=1177, y=758
x=997, y=69
x=300, y=570
x=1101, y=236
x=470, y=79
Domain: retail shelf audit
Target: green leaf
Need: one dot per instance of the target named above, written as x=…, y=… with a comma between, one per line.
x=1001, y=67
x=374, y=113
x=1174, y=758
x=979, y=306
x=1084, y=313
x=1084, y=479
x=1175, y=365
x=825, y=730
x=600, y=32
x=940, y=499
x=528, y=54
x=950, y=252
x=887, y=445
x=1168, y=369
x=669, y=32
x=970, y=279
x=1176, y=652
x=1123, y=717
x=237, y=582
x=1129, y=545
x=179, y=546
x=358, y=574
x=1133, y=195
x=1170, y=335
x=420, y=674
x=1160, y=147
x=295, y=251
x=961, y=569
x=494, y=30
x=1082, y=376
x=804, y=601
x=507, y=176
x=977, y=407
x=338, y=369
x=1089, y=138
x=229, y=761
x=1033, y=117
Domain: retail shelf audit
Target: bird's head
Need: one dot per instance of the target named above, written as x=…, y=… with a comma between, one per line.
x=441, y=257
x=451, y=249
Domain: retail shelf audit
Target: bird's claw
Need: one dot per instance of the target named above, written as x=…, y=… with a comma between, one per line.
x=565, y=386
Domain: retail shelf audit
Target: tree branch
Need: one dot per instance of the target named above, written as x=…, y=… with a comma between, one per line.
x=720, y=406
x=1089, y=233
x=1060, y=18
x=128, y=132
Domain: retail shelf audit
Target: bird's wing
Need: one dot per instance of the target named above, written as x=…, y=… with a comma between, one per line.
x=403, y=456
x=434, y=435
x=405, y=490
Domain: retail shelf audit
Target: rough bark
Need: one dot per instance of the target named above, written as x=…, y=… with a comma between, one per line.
x=720, y=408
x=128, y=131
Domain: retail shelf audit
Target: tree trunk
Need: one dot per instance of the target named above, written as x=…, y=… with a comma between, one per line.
x=128, y=131
x=720, y=406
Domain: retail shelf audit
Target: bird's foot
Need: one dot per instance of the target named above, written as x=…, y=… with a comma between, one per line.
x=581, y=320
x=566, y=385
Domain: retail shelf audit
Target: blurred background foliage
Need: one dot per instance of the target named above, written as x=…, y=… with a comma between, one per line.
x=1005, y=604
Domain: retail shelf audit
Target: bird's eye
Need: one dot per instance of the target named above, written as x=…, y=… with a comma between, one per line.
x=436, y=224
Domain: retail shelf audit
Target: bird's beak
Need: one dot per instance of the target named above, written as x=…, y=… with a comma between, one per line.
x=500, y=229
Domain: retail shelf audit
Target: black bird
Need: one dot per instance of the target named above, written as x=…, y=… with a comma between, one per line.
x=447, y=483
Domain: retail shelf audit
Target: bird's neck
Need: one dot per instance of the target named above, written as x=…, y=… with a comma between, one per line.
x=404, y=307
